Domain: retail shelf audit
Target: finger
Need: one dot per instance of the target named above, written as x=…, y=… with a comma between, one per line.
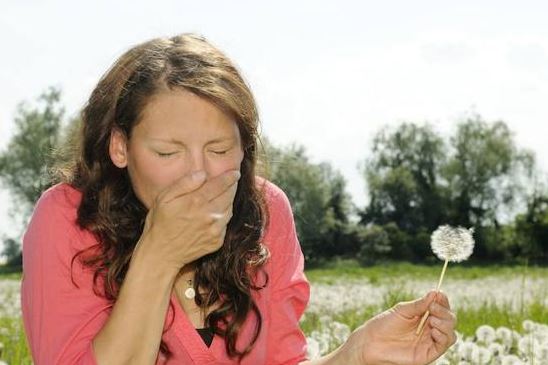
x=439, y=337
x=444, y=336
x=225, y=200
x=440, y=311
x=221, y=219
x=446, y=326
x=219, y=184
x=415, y=308
x=443, y=300
x=184, y=185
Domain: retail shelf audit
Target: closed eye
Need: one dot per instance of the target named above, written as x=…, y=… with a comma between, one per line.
x=164, y=155
x=220, y=152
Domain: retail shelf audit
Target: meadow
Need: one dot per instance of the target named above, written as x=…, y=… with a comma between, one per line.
x=502, y=310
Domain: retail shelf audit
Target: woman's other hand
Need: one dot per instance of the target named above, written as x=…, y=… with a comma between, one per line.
x=389, y=338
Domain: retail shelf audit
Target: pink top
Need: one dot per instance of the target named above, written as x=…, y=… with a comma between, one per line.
x=61, y=320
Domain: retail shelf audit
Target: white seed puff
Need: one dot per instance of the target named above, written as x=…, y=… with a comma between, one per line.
x=452, y=244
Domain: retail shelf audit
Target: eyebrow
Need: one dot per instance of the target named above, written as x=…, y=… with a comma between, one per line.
x=177, y=142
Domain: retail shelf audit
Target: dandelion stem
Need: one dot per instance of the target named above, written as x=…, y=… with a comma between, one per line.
x=442, y=275
x=427, y=313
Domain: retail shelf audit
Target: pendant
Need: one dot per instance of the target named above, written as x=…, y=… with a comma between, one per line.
x=190, y=293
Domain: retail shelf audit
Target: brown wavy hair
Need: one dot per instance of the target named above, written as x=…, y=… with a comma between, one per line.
x=109, y=207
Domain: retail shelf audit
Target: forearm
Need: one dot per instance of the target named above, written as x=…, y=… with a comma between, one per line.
x=133, y=331
x=341, y=356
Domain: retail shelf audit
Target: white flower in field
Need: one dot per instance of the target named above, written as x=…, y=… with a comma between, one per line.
x=485, y=334
x=323, y=339
x=504, y=334
x=3, y=363
x=527, y=345
x=452, y=244
x=496, y=349
x=463, y=363
x=541, y=352
x=340, y=331
x=516, y=336
x=481, y=356
x=528, y=326
x=312, y=348
x=510, y=360
x=541, y=333
x=467, y=349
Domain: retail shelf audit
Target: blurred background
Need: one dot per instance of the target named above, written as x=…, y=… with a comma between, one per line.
x=381, y=120
x=398, y=116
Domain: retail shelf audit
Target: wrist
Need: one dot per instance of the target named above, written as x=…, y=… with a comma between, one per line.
x=146, y=258
x=343, y=355
x=352, y=351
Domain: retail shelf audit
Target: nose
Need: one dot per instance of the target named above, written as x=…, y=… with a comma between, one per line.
x=197, y=161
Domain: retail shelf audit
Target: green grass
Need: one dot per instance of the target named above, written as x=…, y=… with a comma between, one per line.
x=11, y=276
x=15, y=343
x=350, y=269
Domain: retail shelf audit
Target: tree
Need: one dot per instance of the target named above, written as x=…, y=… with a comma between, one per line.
x=320, y=204
x=484, y=173
x=402, y=178
x=24, y=163
x=532, y=227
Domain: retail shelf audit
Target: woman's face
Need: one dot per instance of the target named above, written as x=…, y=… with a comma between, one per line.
x=179, y=133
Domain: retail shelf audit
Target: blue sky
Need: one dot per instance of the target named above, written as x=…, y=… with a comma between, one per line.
x=326, y=74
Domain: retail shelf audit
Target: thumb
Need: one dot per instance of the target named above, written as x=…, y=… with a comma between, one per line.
x=416, y=307
x=184, y=185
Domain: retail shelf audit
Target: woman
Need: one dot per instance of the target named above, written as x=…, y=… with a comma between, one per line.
x=160, y=245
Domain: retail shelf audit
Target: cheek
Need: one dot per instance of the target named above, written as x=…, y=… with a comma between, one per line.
x=149, y=178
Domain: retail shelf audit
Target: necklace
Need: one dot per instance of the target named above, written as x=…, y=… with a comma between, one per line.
x=190, y=293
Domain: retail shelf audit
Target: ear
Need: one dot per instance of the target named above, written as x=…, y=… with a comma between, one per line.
x=118, y=148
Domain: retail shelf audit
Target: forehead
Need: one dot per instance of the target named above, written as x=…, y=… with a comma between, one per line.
x=180, y=113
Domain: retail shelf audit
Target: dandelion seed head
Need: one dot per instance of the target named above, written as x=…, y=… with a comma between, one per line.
x=504, y=334
x=467, y=349
x=527, y=345
x=312, y=348
x=486, y=334
x=481, y=355
x=496, y=349
x=528, y=325
x=452, y=244
x=510, y=360
x=340, y=331
x=541, y=352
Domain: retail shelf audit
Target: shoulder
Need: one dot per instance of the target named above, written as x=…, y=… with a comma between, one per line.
x=280, y=232
x=277, y=203
x=54, y=215
x=59, y=198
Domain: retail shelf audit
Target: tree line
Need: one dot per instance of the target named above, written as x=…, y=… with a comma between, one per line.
x=415, y=178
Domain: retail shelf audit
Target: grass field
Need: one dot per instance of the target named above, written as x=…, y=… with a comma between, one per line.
x=345, y=295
